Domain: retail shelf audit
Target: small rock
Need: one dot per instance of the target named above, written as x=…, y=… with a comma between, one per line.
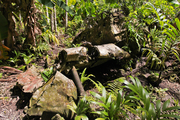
x=30, y=80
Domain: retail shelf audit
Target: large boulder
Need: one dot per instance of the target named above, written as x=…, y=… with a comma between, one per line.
x=53, y=97
x=103, y=30
x=98, y=34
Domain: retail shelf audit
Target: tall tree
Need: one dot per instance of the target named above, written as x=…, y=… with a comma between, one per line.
x=55, y=21
x=66, y=18
x=47, y=14
x=52, y=20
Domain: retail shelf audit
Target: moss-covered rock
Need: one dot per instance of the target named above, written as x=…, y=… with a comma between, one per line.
x=53, y=97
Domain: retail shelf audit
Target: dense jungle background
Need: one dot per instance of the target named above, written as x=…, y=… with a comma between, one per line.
x=38, y=36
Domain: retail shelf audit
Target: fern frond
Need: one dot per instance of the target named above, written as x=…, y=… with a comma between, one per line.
x=115, y=86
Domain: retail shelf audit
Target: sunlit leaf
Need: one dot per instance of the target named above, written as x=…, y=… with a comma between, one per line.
x=165, y=105
x=48, y=3
x=177, y=23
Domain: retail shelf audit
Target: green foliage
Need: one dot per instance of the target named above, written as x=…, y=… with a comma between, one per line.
x=75, y=26
x=93, y=10
x=50, y=37
x=155, y=61
x=85, y=77
x=27, y=60
x=48, y=3
x=112, y=109
x=1, y=74
x=137, y=101
x=46, y=74
x=147, y=110
x=114, y=86
x=42, y=47
x=59, y=3
x=81, y=109
x=15, y=59
x=165, y=42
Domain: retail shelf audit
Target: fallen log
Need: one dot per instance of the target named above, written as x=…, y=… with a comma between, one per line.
x=82, y=57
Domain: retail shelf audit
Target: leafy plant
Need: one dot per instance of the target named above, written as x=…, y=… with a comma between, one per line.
x=46, y=74
x=85, y=77
x=114, y=86
x=166, y=43
x=59, y=3
x=1, y=74
x=147, y=110
x=112, y=109
x=15, y=59
x=27, y=60
x=50, y=37
x=81, y=109
x=41, y=48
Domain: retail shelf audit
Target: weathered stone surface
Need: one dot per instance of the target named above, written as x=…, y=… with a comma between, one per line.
x=105, y=30
x=99, y=34
x=30, y=80
x=53, y=97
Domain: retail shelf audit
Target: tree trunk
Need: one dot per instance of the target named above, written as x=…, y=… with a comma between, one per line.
x=66, y=18
x=52, y=21
x=20, y=22
x=55, y=22
x=9, y=42
x=47, y=14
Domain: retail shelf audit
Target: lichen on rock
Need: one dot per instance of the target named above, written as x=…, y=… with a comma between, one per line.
x=53, y=97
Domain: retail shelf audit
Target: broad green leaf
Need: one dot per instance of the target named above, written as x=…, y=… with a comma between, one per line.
x=165, y=105
x=176, y=54
x=44, y=77
x=173, y=28
x=119, y=98
x=103, y=98
x=84, y=117
x=174, y=1
x=61, y=4
x=177, y=23
x=112, y=110
x=172, y=108
x=48, y=3
x=100, y=119
x=169, y=115
x=134, y=97
x=172, y=33
x=147, y=102
x=100, y=104
x=95, y=95
x=108, y=101
x=81, y=117
x=151, y=111
x=158, y=108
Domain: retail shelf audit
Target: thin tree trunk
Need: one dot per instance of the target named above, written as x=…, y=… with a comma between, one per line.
x=47, y=14
x=20, y=22
x=52, y=21
x=55, y=22
x=66, y=18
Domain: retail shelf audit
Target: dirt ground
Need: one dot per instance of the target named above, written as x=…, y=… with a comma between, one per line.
x=13, y=100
